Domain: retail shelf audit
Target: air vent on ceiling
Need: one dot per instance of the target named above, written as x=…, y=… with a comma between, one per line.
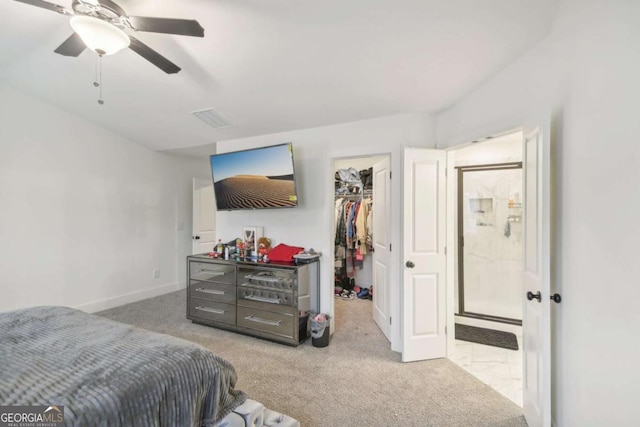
x=212, y=118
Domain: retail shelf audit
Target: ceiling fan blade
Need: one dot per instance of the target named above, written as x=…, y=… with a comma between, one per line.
x=49, y=6
x=73, y=46
x=183, y=27
x=152, y=56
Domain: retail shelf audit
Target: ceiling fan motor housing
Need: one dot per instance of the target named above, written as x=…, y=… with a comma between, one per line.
x=113, y=15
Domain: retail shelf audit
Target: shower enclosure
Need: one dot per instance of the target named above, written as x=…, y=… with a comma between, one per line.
x=490, y=242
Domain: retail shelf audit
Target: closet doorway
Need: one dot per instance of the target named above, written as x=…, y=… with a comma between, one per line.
x=362, y=238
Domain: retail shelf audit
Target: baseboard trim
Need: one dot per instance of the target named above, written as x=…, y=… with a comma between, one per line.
x=112, y=302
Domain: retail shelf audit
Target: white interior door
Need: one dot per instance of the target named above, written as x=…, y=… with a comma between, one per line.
x=382, y=245
x=204, y=216
x=536, y=296
x=424, y=238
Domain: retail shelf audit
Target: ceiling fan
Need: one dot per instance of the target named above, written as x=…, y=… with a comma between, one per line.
x=99, y=25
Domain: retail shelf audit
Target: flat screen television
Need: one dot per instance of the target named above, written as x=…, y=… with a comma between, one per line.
x=259, y=178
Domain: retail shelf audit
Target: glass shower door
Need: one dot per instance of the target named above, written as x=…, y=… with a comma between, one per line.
x=490, y=230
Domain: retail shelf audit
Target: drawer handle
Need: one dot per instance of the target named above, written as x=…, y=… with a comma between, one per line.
x=263, y=321
x=263, y=278
x=216, y=272
x=264, y=299
x=210, y=310
x=284, y=289
x=210, y=291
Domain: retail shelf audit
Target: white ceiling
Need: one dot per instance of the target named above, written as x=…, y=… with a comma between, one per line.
x=273, y=65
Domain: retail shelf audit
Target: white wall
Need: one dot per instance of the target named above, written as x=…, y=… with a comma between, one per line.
x=85, y=215
x=358, y=163
x=502, y=149
x=309, y=225
x=586, y=73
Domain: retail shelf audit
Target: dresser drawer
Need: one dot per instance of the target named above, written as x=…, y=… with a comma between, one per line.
x=268, y=279
x=211, y=310
x=261, y=299
x=274, y=323
x=209, y=272
x=221, y=292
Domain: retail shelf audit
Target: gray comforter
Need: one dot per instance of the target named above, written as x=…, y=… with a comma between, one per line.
x=107, y=373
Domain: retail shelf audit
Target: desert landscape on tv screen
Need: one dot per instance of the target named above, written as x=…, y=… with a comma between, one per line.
x=254, y=179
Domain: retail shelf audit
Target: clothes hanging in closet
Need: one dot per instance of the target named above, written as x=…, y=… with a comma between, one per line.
x=363, y=227
x=352, y=226
x=353, y=231
x=353, y=236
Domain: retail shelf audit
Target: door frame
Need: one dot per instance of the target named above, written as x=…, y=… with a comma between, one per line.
x=393, y=302
x=543, y=123
x=452, y=224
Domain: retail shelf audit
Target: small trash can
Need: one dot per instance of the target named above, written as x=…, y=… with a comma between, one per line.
x=320, y=330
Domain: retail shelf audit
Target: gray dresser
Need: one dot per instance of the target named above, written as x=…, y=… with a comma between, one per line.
x=263, y=300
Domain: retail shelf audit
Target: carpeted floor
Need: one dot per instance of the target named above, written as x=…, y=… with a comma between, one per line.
x=355, y=381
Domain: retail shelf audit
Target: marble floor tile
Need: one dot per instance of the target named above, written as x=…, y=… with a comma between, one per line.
x=499, y=368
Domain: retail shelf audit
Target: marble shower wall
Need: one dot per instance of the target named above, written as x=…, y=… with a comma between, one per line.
x=493, y=230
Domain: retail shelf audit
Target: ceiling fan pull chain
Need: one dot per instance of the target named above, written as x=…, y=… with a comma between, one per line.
x=99, y=67
x=95, y=69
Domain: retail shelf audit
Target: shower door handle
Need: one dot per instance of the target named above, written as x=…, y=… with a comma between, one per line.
x=410, y=264
x=531, y=296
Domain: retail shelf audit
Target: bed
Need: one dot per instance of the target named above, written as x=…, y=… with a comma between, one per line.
x=107, y=373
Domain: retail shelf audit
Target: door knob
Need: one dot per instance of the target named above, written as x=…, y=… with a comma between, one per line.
x=531, y=296
x=410, y=264
x=556, y=298
x=196, y=237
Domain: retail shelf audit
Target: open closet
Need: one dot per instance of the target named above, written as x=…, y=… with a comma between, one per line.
x=361, y=233
x=353, y=227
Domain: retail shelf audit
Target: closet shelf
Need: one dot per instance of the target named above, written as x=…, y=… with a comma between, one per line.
x=352, y=196
x=366, y=194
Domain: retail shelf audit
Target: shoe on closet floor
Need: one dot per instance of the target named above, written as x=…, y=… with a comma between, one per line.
x=364, y=293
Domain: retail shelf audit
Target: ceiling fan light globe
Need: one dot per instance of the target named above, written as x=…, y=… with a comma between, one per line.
x=99, y=36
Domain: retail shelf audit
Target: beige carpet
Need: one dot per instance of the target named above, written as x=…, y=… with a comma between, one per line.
x=355, y=381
